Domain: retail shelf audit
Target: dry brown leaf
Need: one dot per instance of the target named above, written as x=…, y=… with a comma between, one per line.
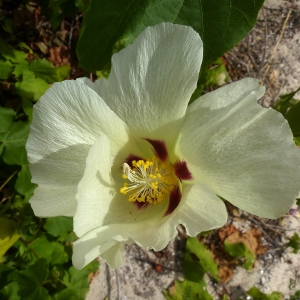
x=42, y=46
x=59, y=55
x=252, y=239
x=225, y=273
x=92, y=276
x=226, y=231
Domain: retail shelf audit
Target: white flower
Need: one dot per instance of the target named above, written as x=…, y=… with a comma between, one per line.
x=130, y=160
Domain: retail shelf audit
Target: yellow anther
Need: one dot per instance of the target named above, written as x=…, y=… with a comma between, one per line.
x=149, y=181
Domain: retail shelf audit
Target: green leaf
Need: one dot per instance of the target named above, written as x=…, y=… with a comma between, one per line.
x=15, y=136
x=24, y=46
x=78, y=285
x=57, y=10
x=11, y=54
x=293, y=117
x=197, y=254
x=45, y=70
x=43, y=247
x=214, y=76
x=31, y=280
x=27, y=107
x=297, y=141
x=189, y=290
x=20, y=69
x=214, y=20
x=6, y=273
x=296, y=296
x=11, y=291
x=59, y=226
x=8, y=26
x=31, y=87
x=53, y=252
x=78, y=275
x=18, y=156
x=8, y=235
x=5, y=69
x=258, y=295
x=7, y=115
x=59, y=256
x=285, y=102
x=240, y=250
x=294, y=243
x=23, y=184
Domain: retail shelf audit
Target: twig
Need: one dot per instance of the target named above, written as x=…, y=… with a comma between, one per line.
x=241, y=62
x=77, y=75
x=37, y=231
x=277, y=44
x=275, y=249
x=108, y=281
x=279, y=93
x=8, y=180
x=266, y=235
x=71, y=35
x=226, y=291
x=265, y=47
x=278, y=227
x=156, y=264
x=118, y=286
x=181, y=231
x=250, y=56
x=28, y=245
x=24, y=31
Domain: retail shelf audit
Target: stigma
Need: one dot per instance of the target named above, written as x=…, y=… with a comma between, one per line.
x=150, y=181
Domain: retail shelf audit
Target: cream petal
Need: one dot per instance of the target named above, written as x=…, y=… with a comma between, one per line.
x=67, y=120
x=200, y=209
x=151, y=234
x=71, y=113
x=152, y=80
x=113, y=256
x=100, y=201
x=243, y=152
x=58, y=175
x=87, y=248
x=95, y=189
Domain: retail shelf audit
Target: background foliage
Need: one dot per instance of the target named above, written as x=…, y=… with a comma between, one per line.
x=35, y=254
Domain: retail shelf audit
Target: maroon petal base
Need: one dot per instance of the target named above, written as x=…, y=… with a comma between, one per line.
x=130, y=158
x=159, y=148
x=175, y=197
x=141, y=205
x=182, y=171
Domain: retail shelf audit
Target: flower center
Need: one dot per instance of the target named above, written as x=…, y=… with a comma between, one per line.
x=150, y=180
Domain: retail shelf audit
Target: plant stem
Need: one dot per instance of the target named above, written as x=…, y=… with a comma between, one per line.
x=8, y=180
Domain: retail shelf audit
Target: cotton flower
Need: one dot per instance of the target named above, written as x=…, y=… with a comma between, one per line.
x=130, y=160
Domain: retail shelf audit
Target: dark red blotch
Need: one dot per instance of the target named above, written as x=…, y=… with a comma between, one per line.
x=182, y=171
x=160, y=149
x=141, y=205
x=175, y=197
x=131, y=158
